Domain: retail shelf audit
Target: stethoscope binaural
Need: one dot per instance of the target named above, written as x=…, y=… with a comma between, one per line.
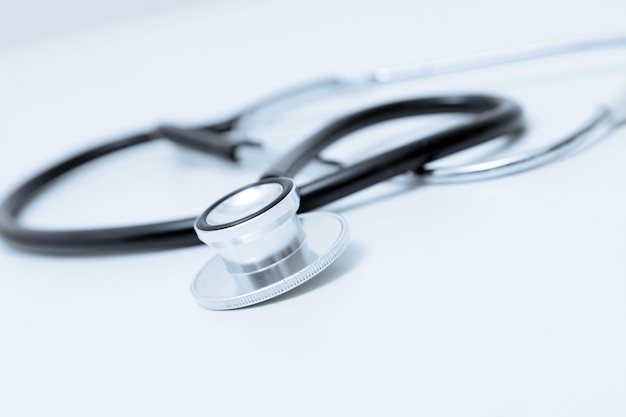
x=265, y=247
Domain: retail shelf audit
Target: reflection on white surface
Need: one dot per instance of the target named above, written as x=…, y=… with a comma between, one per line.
x=499, y=298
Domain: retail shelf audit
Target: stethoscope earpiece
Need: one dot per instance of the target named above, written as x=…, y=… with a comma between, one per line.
x=264, y=248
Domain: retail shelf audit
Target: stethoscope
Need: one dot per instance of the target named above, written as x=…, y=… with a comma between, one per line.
x=266, y=239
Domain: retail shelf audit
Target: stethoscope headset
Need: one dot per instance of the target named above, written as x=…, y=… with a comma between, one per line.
x=266, y=238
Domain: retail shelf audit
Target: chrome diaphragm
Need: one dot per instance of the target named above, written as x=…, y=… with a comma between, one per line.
x=264, y=248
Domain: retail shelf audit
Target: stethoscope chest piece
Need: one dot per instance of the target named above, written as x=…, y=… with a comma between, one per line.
x=264, y=248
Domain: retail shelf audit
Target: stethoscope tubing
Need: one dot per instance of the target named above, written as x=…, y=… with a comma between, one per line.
x=218, y=139
x=493, y=117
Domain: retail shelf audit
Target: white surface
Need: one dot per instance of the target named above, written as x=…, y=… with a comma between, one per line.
x=616, y=98
x=28, y=21
x=497, y=298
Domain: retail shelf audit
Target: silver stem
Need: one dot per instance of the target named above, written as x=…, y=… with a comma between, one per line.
x=595, y=128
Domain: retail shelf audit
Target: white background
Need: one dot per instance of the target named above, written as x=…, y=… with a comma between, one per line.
x=495, y=298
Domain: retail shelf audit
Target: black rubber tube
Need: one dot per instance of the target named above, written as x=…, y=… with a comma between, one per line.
x=494, y=117
x=163, y=235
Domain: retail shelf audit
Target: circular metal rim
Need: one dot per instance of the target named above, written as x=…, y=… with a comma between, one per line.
x=286, y=183
x=327, y=256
